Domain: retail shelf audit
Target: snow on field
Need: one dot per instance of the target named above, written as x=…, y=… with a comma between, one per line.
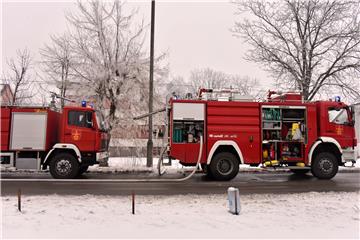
x=305, y=215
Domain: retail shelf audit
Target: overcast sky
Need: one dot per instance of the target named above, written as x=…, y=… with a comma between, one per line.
x=195, y=34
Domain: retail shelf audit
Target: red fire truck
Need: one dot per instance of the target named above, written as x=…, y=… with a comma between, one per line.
x=283, y=131
x=66, y=141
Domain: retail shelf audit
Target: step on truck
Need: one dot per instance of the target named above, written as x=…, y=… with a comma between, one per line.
x=282, y=131
x=66, y=141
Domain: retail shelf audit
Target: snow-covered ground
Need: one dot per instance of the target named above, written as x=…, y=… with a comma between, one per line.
x=305, y=215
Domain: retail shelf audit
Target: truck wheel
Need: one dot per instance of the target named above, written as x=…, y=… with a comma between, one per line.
x=300, y=171
x=64, y=165
x=82, y=169
x=224, y=166
x=325, y=166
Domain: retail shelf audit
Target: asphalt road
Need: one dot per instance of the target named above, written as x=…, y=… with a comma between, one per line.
x=110, y=184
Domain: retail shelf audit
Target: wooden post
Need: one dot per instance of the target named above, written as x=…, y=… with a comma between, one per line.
x=133, y=202
x=19, y=200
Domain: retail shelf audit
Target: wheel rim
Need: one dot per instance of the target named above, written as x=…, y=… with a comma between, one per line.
x=63, y=167
x=326, y=165
x=224, y=166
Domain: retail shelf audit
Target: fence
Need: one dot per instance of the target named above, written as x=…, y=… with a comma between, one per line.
x=133, y=147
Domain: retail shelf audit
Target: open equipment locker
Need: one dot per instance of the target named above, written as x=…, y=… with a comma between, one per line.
x=280, y=124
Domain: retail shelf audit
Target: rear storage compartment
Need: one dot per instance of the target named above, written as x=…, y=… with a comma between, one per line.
x=187, y=128
x=26, y=135
x=5, y=128
x=28, y=131
x=7, y=158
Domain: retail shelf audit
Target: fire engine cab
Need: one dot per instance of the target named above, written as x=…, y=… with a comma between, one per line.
x=67, y=141
x=283, y=131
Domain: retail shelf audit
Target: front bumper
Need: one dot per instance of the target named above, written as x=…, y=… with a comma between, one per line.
x=348, y=155
x=101, y=155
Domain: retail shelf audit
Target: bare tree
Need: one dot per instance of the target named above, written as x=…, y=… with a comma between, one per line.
x=57, y=62
x=19, y=77
x=308, y=45
x=207, y=78
x=247, y=86
x=178, y=86
x=110, y=59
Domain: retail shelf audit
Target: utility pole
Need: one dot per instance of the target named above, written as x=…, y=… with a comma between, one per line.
x=149, y=159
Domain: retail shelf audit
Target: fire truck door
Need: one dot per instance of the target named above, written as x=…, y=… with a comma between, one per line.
x=339, y=126
x=79, y=130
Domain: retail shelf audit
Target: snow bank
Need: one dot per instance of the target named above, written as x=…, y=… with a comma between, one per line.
x=305, y=215
x=124, y=164
x=118, y=164
x=138, y=164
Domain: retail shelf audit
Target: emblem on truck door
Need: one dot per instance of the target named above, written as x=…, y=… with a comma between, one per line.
x=339, y=130
x=75, y=134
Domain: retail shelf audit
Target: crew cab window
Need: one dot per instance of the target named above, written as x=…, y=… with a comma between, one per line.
x=80, y=119
x=338, y=116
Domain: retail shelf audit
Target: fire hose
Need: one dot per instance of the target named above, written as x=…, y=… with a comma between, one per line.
x=188, y=176
x=122, y=180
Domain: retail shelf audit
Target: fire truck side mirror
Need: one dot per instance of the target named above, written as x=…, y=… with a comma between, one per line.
x=352, y=112
x=351, y=123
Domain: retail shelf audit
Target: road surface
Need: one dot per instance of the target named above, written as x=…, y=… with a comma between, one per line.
x=110, y=184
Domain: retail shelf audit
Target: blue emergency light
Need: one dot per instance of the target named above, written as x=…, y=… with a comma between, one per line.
x=83, y=103
x=337, y=99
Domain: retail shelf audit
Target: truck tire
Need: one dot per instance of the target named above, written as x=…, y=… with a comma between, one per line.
x=64, y=165
x=300, y=171
x=82, y=169
x=224, y=166
x=325, y=165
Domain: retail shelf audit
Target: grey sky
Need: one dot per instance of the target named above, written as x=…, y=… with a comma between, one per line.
x=195, y=34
